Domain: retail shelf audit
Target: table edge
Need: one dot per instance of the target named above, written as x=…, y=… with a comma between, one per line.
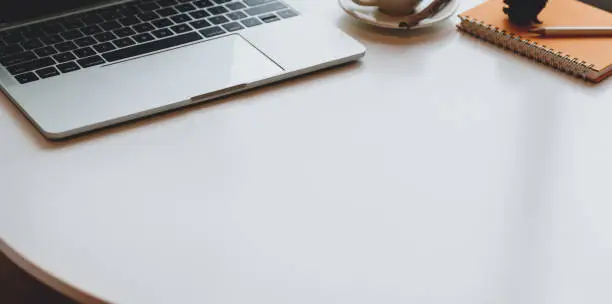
x=46, y=278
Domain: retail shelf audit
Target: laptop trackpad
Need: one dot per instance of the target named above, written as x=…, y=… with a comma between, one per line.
x=226, y=62
x=196, y=71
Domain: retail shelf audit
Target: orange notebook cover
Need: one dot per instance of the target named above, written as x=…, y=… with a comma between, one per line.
x=586, y=57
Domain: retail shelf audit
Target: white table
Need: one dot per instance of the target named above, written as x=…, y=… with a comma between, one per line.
x=440, y=169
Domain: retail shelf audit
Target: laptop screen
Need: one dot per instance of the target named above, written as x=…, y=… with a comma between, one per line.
x=12, y=11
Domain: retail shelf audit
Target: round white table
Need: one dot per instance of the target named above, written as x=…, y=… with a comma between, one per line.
x=439, y=169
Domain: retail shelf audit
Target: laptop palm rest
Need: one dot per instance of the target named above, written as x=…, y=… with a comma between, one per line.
x=198, y=72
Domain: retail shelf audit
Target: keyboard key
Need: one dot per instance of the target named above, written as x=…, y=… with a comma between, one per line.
x=66, y=46
x=85, y=41
x=218, y=10
x=90, y=61
x=199, y=14
x=63, y=57
x=47, y=72
x=52, y=28
x=218, y=19
x=104, y=47
x=232, y=27
x=148, y=16
x=221, y=1
x=45, y=51
x=256, y=2
x=13, y=31
x=211, y=32
x=237, y=15
x=124, y=42
x=17, y=58
x=92, y=18
x=200, y=24
x=30, y=65
x=185, y=7
x=251, y=22
x=153, y=46
x=181, y=28
x=16, y=33
x=31, y=44
x=143, y=27
x=140, y=38
x=71, y=35
x=52, y=39
x=165, y=12
x=273, y=6
x=27, y=77
x=182, y=18
x=269, y=18
x=68, y=67
x=236, y=6
x=32, y=33
x=10, y=49
x=161, y=23
x=163, y=33
x=72, y=23
x=13, y=38
x=287, y=14
x=103, y=37
x=124, y=32
x=203, y=3
x=164, y=3
x=127, y=21
x=8, y=33
x=148, y=6
x=85, y=52
x=110, y=14
x=91, y=30
x=128, y=10
x=111, y=25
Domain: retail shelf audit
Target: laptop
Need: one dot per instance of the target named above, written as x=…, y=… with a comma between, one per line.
x=75, y=66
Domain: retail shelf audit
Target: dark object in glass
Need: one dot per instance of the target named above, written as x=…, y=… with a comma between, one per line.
x=605, y=5
x=524, y=12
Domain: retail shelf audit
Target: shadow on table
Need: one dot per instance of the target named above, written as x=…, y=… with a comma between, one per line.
x=541, y=140
x=438, y=33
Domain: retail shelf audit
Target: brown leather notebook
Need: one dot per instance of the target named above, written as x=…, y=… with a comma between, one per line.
x=586, y=57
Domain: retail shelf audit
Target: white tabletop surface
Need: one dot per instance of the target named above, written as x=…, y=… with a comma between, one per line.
x=439, y=169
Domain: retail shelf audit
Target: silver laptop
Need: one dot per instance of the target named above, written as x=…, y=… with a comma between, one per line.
x=74, y=66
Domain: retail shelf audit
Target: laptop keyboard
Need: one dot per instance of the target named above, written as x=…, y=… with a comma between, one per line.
x=115, y=33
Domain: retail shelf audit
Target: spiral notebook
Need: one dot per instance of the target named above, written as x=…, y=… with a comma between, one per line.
x=589, y=58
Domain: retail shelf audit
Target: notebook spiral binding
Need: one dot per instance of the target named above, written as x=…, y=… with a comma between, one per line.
x=526, y=47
